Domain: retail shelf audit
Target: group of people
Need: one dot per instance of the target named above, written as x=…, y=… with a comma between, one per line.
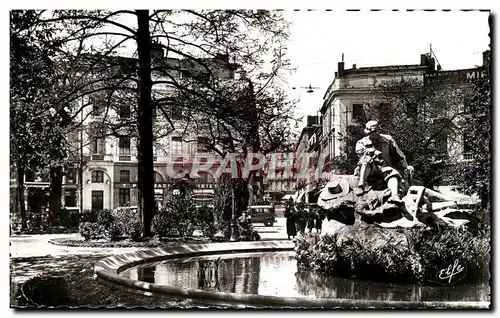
x=299, y=219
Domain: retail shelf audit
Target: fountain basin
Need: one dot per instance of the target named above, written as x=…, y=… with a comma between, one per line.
x=112, y=268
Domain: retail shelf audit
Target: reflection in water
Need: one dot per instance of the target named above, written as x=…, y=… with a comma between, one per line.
x=146, y=274
x=208, y=274
x=277, y=274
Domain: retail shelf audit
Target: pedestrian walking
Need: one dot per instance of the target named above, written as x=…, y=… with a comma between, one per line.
x=291, y=216
x=320, y=216
x=311, y=218
x=301, y=218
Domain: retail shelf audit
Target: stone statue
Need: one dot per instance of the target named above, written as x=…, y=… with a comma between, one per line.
x=382, y=192
x=380, y=159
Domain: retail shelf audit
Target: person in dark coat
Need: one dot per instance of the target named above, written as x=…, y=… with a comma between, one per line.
x=290, y=216
x=311, y=218
x=320, y=216
x=301, y=218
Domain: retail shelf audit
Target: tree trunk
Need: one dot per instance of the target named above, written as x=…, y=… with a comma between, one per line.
x=55, y=195
x=20, y=194
x=145, y=124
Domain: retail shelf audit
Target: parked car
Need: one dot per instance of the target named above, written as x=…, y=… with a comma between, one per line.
x=262, y=214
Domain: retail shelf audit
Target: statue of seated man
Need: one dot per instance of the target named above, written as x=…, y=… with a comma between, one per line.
x=381, y=152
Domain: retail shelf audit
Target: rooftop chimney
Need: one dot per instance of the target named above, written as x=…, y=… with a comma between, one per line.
x=341, y=69
x=312, y=120
x=431, y=63
x=423, y=60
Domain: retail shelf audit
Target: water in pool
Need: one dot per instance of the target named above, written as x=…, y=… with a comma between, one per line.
x=276, y=274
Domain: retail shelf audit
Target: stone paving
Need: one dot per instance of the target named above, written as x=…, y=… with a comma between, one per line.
x=33, y=254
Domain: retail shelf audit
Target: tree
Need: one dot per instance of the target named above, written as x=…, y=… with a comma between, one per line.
x=35, y=137
x=474, y=177
x=198, y=38
x=426, y=124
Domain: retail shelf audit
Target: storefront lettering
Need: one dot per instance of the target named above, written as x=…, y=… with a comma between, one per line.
x=134, y=185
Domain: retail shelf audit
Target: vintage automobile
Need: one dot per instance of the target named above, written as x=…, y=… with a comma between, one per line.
x=262, y=214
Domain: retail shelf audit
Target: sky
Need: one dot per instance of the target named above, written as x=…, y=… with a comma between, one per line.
x=370, y=38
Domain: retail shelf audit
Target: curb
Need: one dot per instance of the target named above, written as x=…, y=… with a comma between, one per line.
x=82, y=244
x=108, y=270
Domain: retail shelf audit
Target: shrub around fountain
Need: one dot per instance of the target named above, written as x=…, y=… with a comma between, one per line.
x=112, y=225
x=401, y=255
x=176, y=216
x=91, y=231
x=127, y=221
x=206, y=220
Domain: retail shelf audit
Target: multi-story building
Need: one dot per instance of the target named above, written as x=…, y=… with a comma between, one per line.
x=101, y=172
x=283, y=180
x=353, y=91
x=110, y=175
x=307, y=154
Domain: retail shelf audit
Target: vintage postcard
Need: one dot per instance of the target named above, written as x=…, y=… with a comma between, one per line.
x=327, y=159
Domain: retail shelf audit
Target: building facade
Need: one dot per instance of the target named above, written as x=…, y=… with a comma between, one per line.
x=101, y=171
x=354, y=90
x=307, y=152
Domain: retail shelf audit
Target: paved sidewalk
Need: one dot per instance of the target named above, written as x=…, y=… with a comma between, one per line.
x=33, y=254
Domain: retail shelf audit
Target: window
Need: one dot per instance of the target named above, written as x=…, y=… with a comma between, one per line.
x=124, y=145
x=358, y=113
x=124, y=175
x=202, y=144
x=467, y=144
x=29, y=176
x=124, y=111
x=203, y=177
x=412, y=110
x=98, y=143
x=176, y=113
x=176, y=145
x=98, y=146
x=70, y=198
x=467, y=109
x=123, y=197
x=71, y=176
x=441, y=130
x=329, y=121
x=97, y=176
x=98, y=107
x=441, y=144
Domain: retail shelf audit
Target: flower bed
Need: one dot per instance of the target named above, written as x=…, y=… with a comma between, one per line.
x=127, y=242
x=401, y=255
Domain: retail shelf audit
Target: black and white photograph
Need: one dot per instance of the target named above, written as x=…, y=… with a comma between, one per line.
x=250, y=159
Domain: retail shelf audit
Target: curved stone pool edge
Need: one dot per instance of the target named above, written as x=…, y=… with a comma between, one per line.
x=108, y=269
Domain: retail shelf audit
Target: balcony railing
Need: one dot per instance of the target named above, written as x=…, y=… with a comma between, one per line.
x=124, y=158
x=468, y=156
x=97, y=157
